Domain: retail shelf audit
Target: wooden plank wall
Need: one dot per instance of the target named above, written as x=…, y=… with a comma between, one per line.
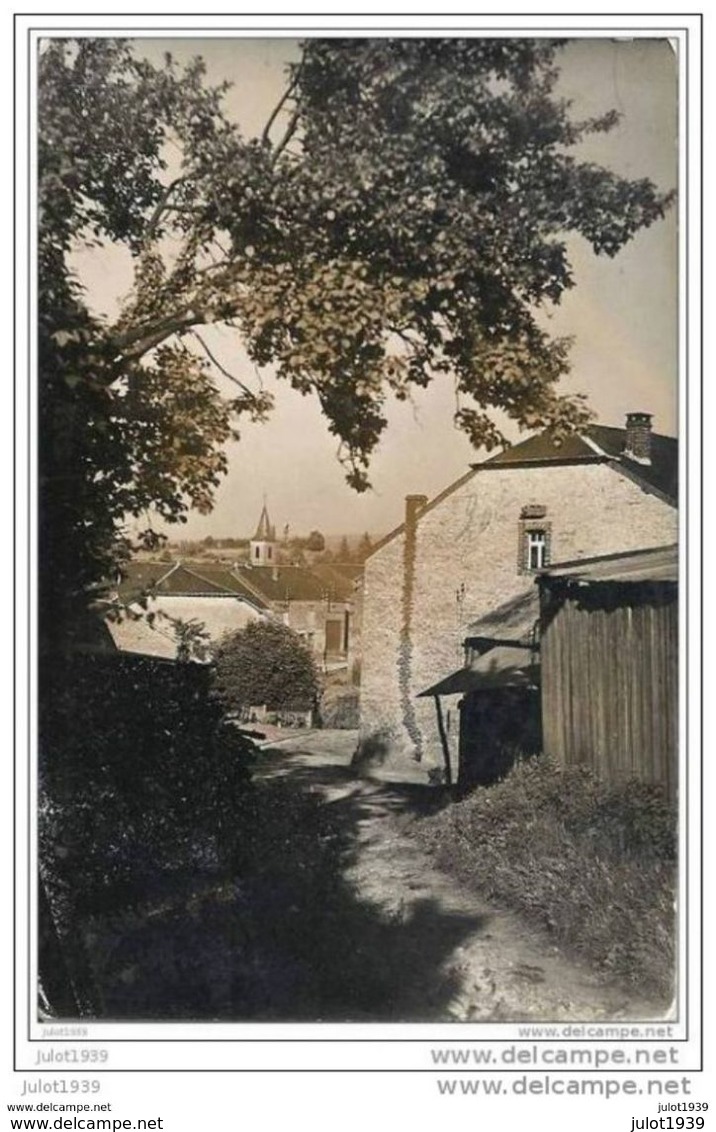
x=610, y=688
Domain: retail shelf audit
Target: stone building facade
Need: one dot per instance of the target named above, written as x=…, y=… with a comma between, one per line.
x=476, y=546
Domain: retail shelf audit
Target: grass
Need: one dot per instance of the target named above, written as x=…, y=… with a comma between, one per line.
x=593, y=864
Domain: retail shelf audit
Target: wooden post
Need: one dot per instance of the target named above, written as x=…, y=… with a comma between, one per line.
x=444, y=741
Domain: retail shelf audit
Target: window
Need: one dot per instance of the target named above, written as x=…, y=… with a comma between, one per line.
x=257, y=552
x=534, y=550
x=536, y=557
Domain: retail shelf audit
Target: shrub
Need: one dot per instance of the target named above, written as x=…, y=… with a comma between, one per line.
x=594, y=864
x=265, y=663
x=138, y=777
x=142, y=790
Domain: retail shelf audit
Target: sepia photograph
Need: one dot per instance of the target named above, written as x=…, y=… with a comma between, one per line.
x=358, y=554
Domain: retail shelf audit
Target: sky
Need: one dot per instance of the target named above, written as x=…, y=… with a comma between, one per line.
x=622, y=313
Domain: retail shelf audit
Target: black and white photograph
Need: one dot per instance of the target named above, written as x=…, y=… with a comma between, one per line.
x=359, y=556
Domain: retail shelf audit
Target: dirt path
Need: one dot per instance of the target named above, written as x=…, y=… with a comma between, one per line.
x=487, y=965
x=331, y=911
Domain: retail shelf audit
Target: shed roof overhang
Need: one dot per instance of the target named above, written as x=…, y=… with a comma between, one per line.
x=511, y=665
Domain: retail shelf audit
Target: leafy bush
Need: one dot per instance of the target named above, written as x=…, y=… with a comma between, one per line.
x=594, y=864
x=265, y=663
x=138, y=778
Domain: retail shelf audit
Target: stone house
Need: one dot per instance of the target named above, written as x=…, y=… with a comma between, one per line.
x=479, y=546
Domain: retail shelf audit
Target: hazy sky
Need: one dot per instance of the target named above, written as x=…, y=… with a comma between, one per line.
x=622, y=312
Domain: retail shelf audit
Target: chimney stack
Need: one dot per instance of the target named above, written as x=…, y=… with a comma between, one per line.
x=413, y=506
x=638, y=437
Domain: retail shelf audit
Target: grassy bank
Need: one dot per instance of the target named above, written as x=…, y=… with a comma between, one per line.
x=593, y=864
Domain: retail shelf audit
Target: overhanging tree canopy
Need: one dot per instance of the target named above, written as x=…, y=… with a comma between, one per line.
x=402, y=217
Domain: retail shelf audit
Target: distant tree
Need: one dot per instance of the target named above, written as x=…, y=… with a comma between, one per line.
x=265, y=663
x=315, y=541
x=343, y=554
x=364, y=547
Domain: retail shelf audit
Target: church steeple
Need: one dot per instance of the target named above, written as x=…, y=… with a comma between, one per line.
x=263, y=544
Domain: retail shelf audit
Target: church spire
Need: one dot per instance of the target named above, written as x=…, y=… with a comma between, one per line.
x=263, y=544
x=264, y=532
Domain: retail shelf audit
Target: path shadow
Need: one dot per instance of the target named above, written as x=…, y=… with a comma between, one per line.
x=287, y=937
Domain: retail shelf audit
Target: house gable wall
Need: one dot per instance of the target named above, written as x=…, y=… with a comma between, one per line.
x=420, y=596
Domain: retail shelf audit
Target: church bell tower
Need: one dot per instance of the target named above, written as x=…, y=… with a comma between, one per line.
x=263, y=544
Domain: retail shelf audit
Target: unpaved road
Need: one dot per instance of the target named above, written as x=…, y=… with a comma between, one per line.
x=334, y=913
x=493, y=966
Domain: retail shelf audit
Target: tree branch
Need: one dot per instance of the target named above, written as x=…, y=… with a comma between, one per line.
x=290, y=131
x=212, y=358
x=137, y=340
x=265, y=138
x=156, y=216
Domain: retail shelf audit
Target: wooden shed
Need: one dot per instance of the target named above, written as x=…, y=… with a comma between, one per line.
x=609, y=630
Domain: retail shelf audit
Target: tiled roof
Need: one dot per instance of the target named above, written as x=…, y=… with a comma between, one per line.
x=339, y=579
x=224, y=580
x=138, y=577
x=184, y=580
x=598, y=442
x=662, y=473
x=283, y=583
x=194, y=579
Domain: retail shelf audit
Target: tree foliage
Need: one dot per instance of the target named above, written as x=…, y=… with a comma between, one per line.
x=364, y=548
x=266, y=663
x=315, y=542
x=402, y=217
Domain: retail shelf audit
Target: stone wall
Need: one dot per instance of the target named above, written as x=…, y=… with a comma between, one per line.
x=462, y=562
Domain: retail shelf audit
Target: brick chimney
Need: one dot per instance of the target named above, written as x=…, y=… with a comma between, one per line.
x=413, y=506
x=638, y=437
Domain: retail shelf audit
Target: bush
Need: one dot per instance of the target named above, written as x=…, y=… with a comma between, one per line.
x=265, y=663
x=594, y=864
x=138, y=778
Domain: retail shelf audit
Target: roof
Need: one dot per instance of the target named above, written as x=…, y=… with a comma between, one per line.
x=225, y=580
x=264, y=531
x=653, y=564
x=339, y=579
x=283, y=583
x=196, y=580
x=598, y=444
x=138, y=577
x=507, y=666
x=514, y=620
